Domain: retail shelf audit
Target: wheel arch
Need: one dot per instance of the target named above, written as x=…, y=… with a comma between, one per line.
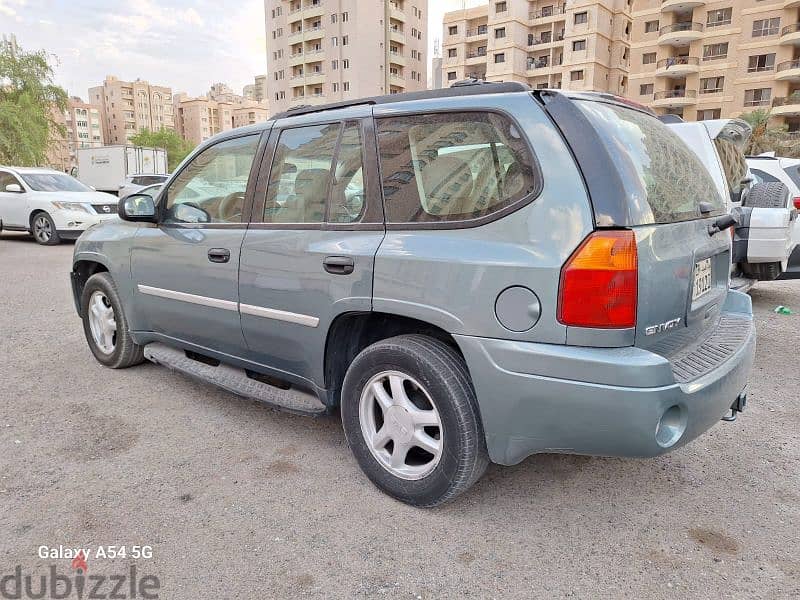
x=82, y=269
x=351, y=332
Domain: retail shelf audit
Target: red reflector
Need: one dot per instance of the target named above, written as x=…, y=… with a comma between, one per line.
x=599, y=282
x=797, y=202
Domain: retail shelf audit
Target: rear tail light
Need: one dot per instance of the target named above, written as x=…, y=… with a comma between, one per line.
x=797, y=202
x=599, y=282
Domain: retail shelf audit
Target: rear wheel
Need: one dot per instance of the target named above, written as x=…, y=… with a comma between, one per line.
x=44, y=229
x=770, y=194
x=411, y=419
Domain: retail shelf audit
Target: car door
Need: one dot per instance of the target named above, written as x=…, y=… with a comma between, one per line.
x=311, y=256
x=185, y=268
x=13, y=205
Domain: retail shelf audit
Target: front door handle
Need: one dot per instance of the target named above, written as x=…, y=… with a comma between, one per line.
x=219, y=255
x=339, y=265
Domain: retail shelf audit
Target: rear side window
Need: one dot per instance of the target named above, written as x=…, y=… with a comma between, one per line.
x=452, y=167
x=794, y=174
x=657, y=167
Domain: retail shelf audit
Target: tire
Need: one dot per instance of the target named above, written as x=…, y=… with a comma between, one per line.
x=122, y=352
x=771, y=194
x=762, y=271
x=44, y=230
x=435, y=379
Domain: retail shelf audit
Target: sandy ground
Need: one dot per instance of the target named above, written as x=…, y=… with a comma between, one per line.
x=239, y=501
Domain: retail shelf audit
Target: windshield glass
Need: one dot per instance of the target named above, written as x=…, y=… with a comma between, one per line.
x=660, y=171
x=54, y=182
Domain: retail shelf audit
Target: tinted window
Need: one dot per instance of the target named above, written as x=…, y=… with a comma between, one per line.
x=47, y=182
x=149, y=179
x=763, y=176
x=452, y=167
x=347, y=191
x=300, y=174
x=657, y=167
x=794, y=174
x=213, y=184
x=7, y=179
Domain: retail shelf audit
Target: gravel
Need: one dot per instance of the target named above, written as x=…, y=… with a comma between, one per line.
x=239, y=501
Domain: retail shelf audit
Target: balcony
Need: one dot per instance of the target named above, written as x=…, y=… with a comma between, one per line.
x=313, y=33
x=791, y=34
x=680, y=34
x=297, y=58
x=680, y=5
x=788, y=70
x=483, y=31
x=476, y=58
x=545, y=13
x=677, y=66
x=397, y=36
x=396, y=13
x=788, y=106
x=674, y=98
x=396, y=79
x=396, y=58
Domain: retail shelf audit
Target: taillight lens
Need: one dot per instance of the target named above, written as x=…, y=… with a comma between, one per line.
x=797, y=202
x=599, y=282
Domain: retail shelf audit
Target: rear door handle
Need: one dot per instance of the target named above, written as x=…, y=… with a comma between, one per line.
x=219, y=255
x=339, y=265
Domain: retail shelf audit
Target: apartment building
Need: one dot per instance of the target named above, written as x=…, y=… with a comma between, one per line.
x=9, y=42
x=127, y=107
x=577, y=45
x=321, y=51
x=197, y=119
x=706, y=60
x=257, y=91
x=83, y=128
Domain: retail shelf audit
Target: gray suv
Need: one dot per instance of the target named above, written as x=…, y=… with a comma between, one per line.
x=468, y=275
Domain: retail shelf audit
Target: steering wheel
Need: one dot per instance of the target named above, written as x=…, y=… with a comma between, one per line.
x=230, y=207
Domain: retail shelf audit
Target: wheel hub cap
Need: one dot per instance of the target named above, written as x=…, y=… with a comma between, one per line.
x=102, y=322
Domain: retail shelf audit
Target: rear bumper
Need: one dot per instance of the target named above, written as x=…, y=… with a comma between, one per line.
x=626, y=402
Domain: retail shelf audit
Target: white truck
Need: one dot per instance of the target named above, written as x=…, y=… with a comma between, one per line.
x=107, y=167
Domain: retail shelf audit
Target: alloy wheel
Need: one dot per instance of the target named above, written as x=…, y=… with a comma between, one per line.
x=102, y=322
x=42, y=230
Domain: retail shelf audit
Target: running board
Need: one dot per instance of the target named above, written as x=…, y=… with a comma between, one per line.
x=236, y=381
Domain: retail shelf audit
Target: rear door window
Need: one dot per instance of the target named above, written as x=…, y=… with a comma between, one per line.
x=453, y=166
x=660, y=171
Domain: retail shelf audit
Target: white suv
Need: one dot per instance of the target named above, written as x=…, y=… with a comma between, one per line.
x=51, y=205
x=135, y=183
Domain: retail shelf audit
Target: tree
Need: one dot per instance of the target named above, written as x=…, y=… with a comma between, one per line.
x=28, y=103
x=769, y=138
x=177, y=147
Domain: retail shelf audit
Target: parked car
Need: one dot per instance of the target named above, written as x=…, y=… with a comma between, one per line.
x=769, y=168
x=763, y=234
x=474, y=274
x=135, y=183
x=151, y=190
x=52, y=206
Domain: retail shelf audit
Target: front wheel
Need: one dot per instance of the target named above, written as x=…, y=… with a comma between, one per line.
x=44, y=230
x=411, y=420
x=105, y=325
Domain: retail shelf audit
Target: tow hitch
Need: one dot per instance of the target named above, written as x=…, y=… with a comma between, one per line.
x=738, y=406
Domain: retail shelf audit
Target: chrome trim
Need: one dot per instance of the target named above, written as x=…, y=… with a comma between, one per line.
x=279, y=315
x=191, y=298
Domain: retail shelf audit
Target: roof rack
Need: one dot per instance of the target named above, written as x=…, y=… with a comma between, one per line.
x=467, y=87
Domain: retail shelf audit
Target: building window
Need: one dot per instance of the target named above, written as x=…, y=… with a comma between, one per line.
x=715, y=51
x=335, y=87
x=500, y=32
x=500, y=58
x=711, y=85
x=648, y=58
x=646, y=89
x=334, y=65
x=451, y=76
x=334, y=18
x=345, y=17
x=581, y=18
x=576, y=75
x=650, y=26
x=501, y=7
x=757, y=97
x=334, y=42
x=346, y=86
x=452, y=53
x=578, y=45
x=721, y=16
x=452, y=30
x=345, y=40
x=345, y=63
x=765, y=27
x=709, y=113
x=760, y=62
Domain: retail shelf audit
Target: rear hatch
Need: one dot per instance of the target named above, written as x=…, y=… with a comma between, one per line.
x=683, y=270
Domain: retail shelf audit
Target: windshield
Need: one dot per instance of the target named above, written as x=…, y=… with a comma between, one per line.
x=660, y=171
x=54, y=182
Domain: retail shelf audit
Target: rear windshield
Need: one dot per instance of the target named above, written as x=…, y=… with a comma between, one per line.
x=659, y=170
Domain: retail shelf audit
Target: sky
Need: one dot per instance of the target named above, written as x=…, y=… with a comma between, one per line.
x=184, y=44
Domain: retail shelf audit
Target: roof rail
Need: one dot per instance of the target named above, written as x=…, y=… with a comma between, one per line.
x=468, y=87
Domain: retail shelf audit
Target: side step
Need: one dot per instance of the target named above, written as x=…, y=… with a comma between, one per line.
x=236, y=381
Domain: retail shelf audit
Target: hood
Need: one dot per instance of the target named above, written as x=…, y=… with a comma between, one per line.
x=87, y=197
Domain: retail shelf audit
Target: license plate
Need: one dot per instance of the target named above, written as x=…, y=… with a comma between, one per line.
x=702, y=278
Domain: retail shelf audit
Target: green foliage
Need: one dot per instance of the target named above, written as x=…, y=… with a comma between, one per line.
x=768, y=137
x=28, y=103
x=177, y=148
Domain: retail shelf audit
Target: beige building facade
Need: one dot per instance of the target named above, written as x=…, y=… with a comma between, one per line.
x=197, y=119
x=578, y=45
x=82, y=123
x=704, y=60
x=257, y=91
x=321, y=51
x=128, y=107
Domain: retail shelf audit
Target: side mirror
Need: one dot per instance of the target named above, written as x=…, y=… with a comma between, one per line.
x=137, y=208
x=14, y=188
